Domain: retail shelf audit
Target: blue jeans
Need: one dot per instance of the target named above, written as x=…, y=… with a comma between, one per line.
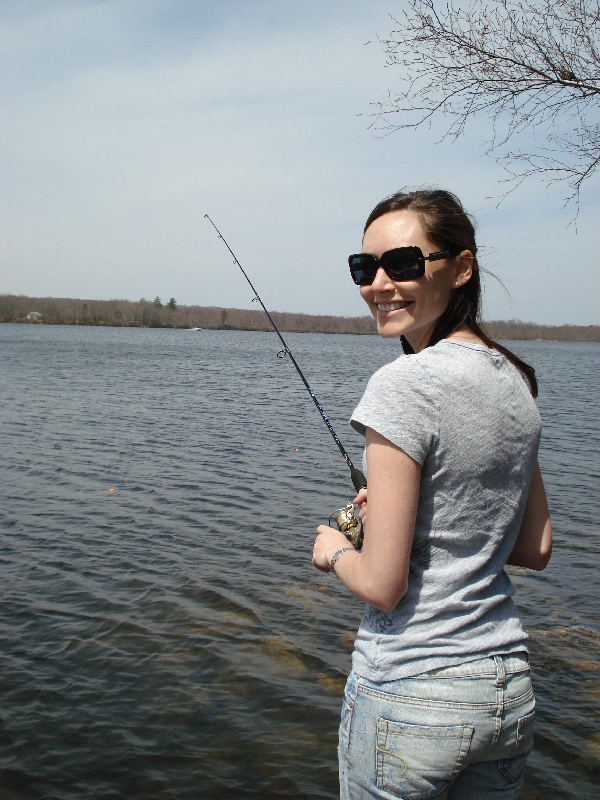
x=457, y=733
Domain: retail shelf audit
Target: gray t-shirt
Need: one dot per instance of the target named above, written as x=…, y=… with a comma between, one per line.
x=466, y=415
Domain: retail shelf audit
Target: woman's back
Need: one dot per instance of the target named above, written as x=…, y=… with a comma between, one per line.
x=466, y=415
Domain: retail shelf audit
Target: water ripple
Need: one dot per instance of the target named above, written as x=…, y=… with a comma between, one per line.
x=163, y=634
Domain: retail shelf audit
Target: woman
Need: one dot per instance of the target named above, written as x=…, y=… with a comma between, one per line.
x=439, y=701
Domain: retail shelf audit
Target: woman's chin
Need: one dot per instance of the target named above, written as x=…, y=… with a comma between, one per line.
x=389, y=331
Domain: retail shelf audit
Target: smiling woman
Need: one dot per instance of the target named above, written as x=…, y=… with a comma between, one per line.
x=438, y=220
x=439, y=701
x=411, y=307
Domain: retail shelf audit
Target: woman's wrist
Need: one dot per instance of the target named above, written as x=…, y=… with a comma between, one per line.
x=334, y=558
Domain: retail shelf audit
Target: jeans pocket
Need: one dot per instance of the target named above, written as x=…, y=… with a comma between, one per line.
x=419, y=761
x=512, y=768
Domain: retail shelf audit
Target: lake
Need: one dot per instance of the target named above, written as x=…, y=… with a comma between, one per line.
x=162, y=631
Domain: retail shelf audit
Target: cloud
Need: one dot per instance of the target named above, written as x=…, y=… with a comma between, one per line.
x=127, y=121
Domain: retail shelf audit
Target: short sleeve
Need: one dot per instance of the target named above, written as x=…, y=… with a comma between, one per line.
x=400, y=404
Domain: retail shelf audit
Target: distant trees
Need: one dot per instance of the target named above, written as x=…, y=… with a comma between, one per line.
x=525, y=64
x=123, y=313
x=172, y=304
x=515, y=329
x=143, y=313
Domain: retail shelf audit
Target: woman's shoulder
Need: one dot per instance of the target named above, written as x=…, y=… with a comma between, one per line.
x=406, y=367
x=473, y=369
x=408, y=381
x=442, y=365
x=433, y=359
x=449, y=355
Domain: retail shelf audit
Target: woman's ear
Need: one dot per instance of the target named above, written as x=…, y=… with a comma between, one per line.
x=463, y=268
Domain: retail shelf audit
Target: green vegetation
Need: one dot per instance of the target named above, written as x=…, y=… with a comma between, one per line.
x=150, y=314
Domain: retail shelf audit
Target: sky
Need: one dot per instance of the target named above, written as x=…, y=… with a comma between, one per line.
x=125, y=121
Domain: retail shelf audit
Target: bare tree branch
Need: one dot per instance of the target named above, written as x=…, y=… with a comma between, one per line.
x=524, y=65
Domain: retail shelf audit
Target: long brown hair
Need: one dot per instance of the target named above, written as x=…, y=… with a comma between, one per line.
x=449, y=227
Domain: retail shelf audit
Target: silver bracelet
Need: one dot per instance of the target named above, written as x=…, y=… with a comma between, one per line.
x=336, y=555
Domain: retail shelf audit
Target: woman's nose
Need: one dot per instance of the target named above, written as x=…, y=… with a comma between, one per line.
x=382, y=281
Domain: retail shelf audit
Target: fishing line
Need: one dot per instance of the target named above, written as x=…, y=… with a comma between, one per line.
x=358, y=479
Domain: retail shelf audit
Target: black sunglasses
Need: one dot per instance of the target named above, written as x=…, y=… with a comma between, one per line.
x=400, y=264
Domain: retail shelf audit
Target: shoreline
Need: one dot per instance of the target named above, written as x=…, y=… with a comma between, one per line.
x=232, y=329
x=22, y=309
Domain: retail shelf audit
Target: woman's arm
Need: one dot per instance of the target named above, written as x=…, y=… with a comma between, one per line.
x=533, y=547
x=379, y=573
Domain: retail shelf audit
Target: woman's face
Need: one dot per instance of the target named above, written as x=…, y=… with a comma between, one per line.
x=409, y=308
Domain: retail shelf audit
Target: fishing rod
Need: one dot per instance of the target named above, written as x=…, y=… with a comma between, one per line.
x=345, y=519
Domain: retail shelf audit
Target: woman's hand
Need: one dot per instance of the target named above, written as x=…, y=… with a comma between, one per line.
x=328, y=541
x=361, y=501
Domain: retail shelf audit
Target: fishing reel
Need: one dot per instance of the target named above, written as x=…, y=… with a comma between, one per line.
x=347, y=522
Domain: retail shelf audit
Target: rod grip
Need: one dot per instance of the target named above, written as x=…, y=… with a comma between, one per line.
x=358, y=479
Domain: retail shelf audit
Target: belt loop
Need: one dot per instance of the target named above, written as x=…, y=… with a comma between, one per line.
x=500, y=672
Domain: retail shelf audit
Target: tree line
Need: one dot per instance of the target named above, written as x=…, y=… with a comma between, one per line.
x=529, y=331
x=153, y=314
